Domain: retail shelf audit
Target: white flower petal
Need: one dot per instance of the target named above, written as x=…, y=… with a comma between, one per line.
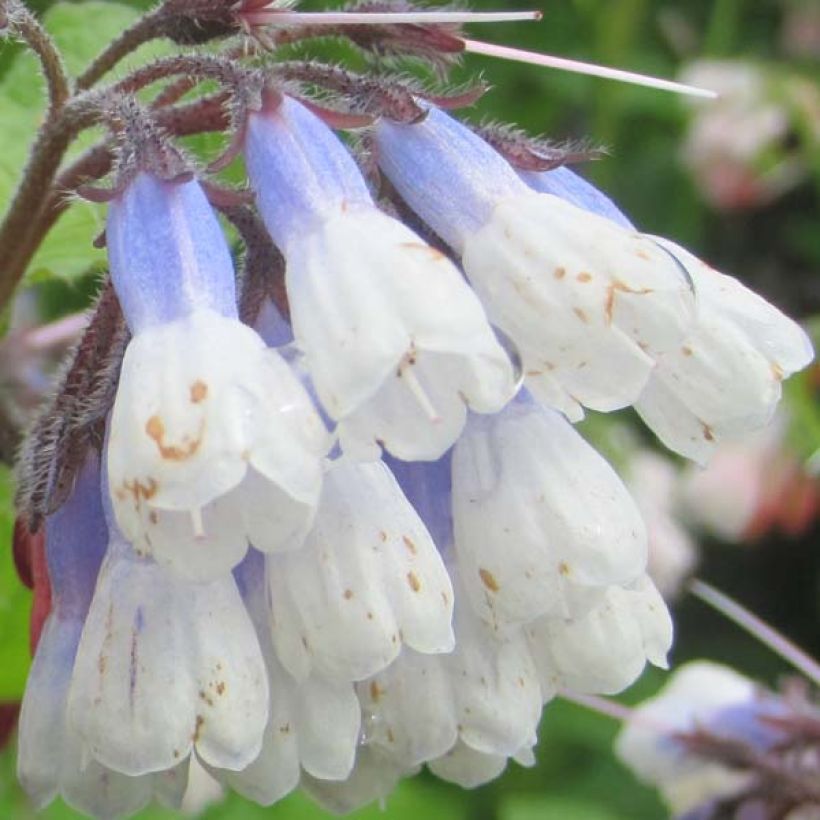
x=495, y=683
x=42, y=746
x=581, y=296
x=368, y=579
x=599, y=368
x=409, y=709
x=200, y=400
x=604, y=650
x=466, y=767
x=536, y=508
x=373, y=778
x=147, y=633
x=725, y=378
x=374, y=308
x=198, y=546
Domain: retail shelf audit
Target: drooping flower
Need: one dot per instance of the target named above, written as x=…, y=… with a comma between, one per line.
x=396, y=344
x=213, y=440
x=313, y=724
x=147, y=631
x=485, y=697
x=367, y=581
x=588, y=303
x=726, y=378
x=52, y=757
x=537, y=513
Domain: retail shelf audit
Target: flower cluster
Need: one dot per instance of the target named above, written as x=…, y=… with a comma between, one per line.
x=326, y=542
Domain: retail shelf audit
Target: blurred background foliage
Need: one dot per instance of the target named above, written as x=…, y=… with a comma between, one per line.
x=759, y=220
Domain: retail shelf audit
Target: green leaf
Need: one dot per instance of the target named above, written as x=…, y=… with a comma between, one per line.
x=15, y=604
x=80, y=31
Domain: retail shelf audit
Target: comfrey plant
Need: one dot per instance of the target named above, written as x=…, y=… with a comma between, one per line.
x=327, y=522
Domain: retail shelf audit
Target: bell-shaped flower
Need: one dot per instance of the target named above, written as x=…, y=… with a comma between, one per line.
x=213, y=440
x=51, y=759
x=589, y=303
x=485, y=694
x=725, y=379
x=166, y=666
x=605, y=645
x=538, y=512
x=313, y=725
x=396, y=343
x=367, y=581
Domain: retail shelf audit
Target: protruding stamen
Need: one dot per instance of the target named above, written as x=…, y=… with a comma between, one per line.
x=273, y=17
x=564, y=64
x=196, y=522
x=419, y=394
x=759, y=628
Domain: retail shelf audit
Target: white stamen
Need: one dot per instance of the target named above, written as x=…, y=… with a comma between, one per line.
x=196, y=522
x=759, y=628
x=564, y=64
x=271, y=16
x=414, y=386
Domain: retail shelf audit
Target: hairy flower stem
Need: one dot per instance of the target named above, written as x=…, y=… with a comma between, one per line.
x=28, y=202
x=146, y=28
x=191, y=66
x=33, y=214
x=25, y=25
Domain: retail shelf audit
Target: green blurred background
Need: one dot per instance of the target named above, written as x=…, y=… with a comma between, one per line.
x=772, y=244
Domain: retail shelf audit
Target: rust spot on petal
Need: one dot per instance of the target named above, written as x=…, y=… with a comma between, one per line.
x=428, y=250
x=348, y=594
x=413, y=580
x=778, y=372
x=390, y=736
x=138, y=490
x=581, y=314
x=563, y=568
x=642, y=254
x=382, y=535
x=199, y=391
x=408, y=542
x=488, y=579
x=624, y=288
x=609, y=305
x=375, y=691
x=584, y=277
x=560, y=273
x=197, y=728
x=708, y=433
x=173, y=452
x=686, y=350
x=220, y=688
